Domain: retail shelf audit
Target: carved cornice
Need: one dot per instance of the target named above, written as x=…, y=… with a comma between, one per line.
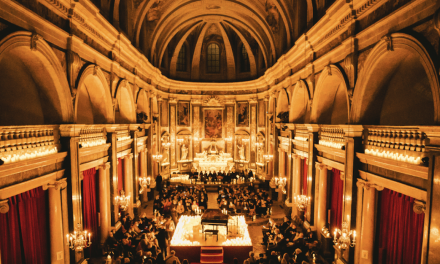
x=60, y=184
x=105, y=166
x=213, y=100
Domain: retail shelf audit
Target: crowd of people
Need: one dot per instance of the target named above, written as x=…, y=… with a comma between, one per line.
x=146, y=240
x=289, y=243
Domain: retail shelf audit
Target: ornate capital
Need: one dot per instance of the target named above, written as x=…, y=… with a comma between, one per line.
x=328, y=69
x=360, y=183
x=321, y=166
x=367, y=186
x=4, y=206
x=104, y=166
x=57, y=185
x=419, y=207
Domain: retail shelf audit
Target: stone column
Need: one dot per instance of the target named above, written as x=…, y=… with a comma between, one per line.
x=65, y=223
x=280, y=172
x=296, y=185
x=322, y=194
x=368, y=222
x=104, y=201
x=55, y=222
x=360, y=193
x=143, y=172
x=128, y=178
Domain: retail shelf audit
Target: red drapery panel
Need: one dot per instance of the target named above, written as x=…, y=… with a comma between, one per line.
x=24, y=229
x=336, y=196
x=90, y=209
x=120, y=176
x=400, y=229
x=305, y=170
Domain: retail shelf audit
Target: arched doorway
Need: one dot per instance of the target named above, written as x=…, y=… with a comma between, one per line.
x=93, y=103
x=299, y=103
x=34, y=89
x=398, y=85
x=126, y=111
x=330, y=101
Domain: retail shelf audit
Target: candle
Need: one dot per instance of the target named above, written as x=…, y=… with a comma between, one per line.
x=67, y=237
x=89, y=237
x=335, y=233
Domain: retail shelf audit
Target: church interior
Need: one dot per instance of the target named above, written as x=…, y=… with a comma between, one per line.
x=219, y=131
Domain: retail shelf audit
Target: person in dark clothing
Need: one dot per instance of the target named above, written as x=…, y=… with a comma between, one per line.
x=159, y=183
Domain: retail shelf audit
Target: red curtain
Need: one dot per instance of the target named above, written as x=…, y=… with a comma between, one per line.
x=90, y=208
x=24, y=229
x=120, y=176
x=400, y=229
x=336, y=196
x=305, y=170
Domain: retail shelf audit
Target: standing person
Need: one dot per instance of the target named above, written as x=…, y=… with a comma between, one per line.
x=180, y=209
x=159, y=183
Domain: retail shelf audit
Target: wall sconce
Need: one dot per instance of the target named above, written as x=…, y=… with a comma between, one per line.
x=268, y=158
x=344, y=241
x=145, y=183
x=302, y=201
x=78, y=240
x=228, y=139
x=122, y=200
x=157, y=158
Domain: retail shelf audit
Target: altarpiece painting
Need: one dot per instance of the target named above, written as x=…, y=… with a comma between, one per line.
x=213, y=123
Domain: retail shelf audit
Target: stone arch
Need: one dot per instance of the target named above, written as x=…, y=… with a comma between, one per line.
x=398, y=85
x=143, y=103
x=330, y=101
x=126, y=113
x=173, y=63
x=283, y=105
x=122, y=16
x=253, y=64
x=93, y=104
x=300, y=101
x=33, y=84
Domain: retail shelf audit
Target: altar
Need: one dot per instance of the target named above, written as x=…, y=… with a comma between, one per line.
x=213, y=159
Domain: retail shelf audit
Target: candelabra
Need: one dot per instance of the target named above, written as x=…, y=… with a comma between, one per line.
x=302, y=202
x=157, y=158
x=280, y=182
x=224, y=211
x=259, y=144
x=79, y=239
x=268, y=158
x=123, y=201
x=166, y=144
x=198, y=211
x=180, y=141
x=228, y=139
x=344, y=240
x=245, y=140
x=325, y=232
x=144, y=182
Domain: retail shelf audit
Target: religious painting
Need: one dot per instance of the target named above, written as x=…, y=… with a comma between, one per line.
x=261, y=113
x=242, y=114
x=183, y=114
x=213, y=123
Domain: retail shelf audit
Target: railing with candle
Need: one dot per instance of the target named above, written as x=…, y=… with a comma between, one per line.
x=91, y=137
x=79, y=239
x=332, y=137
x=407, y=145
x=27, y=142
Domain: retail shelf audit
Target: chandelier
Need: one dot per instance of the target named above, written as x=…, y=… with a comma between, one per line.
x=122, y=200
x=302, y=202
x=268, y=158
x=344, y=241
x=157, y=158
x=78, y=240
x=144, y=182
x=280, y=182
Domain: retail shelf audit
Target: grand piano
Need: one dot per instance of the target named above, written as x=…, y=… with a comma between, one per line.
x=214, y=217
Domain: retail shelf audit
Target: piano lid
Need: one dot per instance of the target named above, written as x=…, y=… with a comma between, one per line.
x=214, y=214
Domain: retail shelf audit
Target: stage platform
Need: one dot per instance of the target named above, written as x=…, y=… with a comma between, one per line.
x=189, y=242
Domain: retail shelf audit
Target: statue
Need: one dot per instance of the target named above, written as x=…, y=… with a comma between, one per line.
x=184, y=152
x=241, y=152
x=260, y=155
x=165, y=156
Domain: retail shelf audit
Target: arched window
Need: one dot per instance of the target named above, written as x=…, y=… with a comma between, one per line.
x=181, y=59
x=244, y=60
x=213, y=56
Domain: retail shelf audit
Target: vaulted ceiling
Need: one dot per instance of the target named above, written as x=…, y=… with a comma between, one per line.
x=265, y=28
